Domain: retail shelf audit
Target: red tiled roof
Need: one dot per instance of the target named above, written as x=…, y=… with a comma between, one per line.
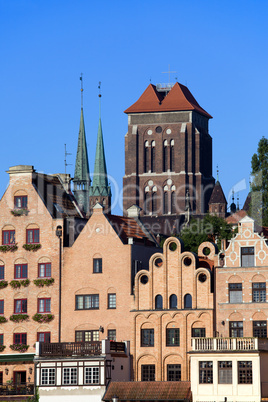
x=128, y=227
x=179, y=98
x=236, y=217
x=149, y=391
x=217, y=196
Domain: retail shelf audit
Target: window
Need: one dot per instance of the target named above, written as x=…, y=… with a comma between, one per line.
x=158, y=302
x=173, y=301
x=260, y=329
x=147, y=337
x=21, y=271
x=2, y=272
x=147, y=372
x=87, y=302
x=69, y=375
x=44, y=270
x=1, y=306
x=165, y=156
x=20, y=339
x=1, y=339
x=146, y=202
x=20, y=306
x=8, y=237
x=48, y=376
x=172, y=156
x=165, y=201
x=173, y=337
x=235, y=293
x=198, y=332
x=205, y=372
x=247, y=257
x=153, y=157
x=44, y=305
x=259, y=292
x=187, y=301
x=97, y=265
x=43, y=337
x=32, y=236
x=20, y=201
x=154, y=202
x=92, y=375
x=236, y=329
x=86, y=336
x=112, y=334
x=111, y=300
x=245, y=372
x=173, y=203
x=173, y=372
x=146, y=157
x=225, y=373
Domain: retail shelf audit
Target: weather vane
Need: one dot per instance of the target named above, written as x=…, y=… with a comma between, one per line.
x=82, y=89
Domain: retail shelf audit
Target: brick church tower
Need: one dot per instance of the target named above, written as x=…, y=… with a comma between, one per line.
x=168, y=153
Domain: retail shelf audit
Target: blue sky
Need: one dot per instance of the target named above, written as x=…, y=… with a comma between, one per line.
x=219, y=50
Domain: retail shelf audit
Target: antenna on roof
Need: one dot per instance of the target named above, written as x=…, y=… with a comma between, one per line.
x=237, y=202
x=82, y=90
x=65, y=158
x=167, y=86
x=217, y=172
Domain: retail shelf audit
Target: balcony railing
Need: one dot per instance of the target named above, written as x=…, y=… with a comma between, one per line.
x=223, y=344
x=70, y=349
x=17, y=389
x=117, y=347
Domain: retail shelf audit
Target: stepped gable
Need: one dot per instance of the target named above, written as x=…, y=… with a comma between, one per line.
x=149, y=391
x=179, y=98
x=217, y=196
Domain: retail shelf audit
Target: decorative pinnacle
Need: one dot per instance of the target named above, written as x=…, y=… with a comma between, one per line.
x=217, y=172
x=82, y=89
x=99, y=86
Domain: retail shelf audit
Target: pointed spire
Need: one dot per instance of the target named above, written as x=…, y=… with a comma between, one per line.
x=100, y=171
x=81, y=173
x=100, y=191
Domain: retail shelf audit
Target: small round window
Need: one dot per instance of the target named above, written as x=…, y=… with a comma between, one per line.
x=172, y=246
x=144, y=279
x=202, y=277
x=158, y=262
x=187, y=261
x=206, y=251
x=158, y=129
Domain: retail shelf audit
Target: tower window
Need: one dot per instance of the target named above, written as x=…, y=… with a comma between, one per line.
x=165, y=200
x=172, y=155
x=146, y=157
x=154, y=202
x=153, y=157
x=165, y=156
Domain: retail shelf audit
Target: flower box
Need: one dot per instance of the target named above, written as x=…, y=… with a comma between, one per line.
x=19, y=317
x=38, y=317
x=19, y=348
x=2, y=348
x=8, y=247
x=31, y=247
x=2, y=320
x=19, y=211
x=43, y=282
x=15, y=284
x=3, y=284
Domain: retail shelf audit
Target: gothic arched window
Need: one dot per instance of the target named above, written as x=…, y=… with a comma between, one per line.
x=165, y=156
x=165, y=203
x=173, y=202
x=154, y=202
x=153, y=156
x=172, y=156
x=146, y=157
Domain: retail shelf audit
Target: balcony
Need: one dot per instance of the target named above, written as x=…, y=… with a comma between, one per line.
x=228, y=344
x=70, y=349
x=16, y=389
x=74, y=349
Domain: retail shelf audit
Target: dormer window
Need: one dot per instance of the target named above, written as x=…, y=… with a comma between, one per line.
x=21, y=201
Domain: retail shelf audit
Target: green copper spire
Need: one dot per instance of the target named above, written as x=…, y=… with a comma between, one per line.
x=81, y=175
x=100, y=191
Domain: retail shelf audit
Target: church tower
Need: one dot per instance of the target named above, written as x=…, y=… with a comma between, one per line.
x=168, y=153
x=81, y=178
x=100, y=191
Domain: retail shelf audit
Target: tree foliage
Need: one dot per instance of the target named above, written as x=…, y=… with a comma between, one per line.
x=259, y=185
x=210, y=228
